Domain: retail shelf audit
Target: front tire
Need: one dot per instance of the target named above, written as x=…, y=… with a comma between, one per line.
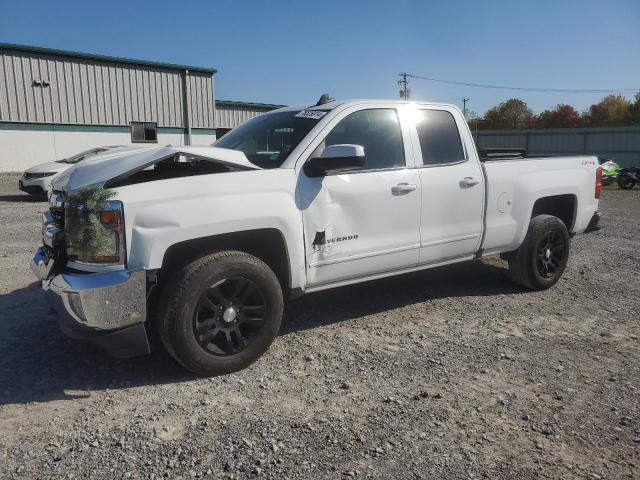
x=220, y=313
x=541, y=259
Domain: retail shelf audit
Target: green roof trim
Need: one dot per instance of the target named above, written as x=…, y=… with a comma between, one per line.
x=103, y=58
x=232, y=103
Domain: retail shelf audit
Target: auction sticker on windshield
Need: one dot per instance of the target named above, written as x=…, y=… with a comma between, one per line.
x=314, y=114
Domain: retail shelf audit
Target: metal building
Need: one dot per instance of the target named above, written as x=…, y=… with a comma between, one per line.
x=56, y=103
x=231, y=114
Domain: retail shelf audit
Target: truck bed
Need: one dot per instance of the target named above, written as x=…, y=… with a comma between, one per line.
x=513, y=185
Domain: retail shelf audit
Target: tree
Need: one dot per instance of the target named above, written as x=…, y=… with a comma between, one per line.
x=562, y=116
x=611, y=111
x=513, y=113
x=474, y=121
x=633, y=115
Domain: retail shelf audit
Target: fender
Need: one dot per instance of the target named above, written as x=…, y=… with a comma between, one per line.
x=161, y=214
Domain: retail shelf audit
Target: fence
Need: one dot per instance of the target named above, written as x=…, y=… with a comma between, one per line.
x=620, y=144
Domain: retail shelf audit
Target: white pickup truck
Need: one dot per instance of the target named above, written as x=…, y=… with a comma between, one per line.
x=206, y=243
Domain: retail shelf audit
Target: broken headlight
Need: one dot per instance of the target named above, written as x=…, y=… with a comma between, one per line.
x=95, y=237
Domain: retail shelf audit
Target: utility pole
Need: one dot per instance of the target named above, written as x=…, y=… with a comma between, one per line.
x=464, y=107
x=405, y=93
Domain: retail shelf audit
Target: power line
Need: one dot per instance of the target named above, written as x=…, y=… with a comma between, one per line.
x=525, y=89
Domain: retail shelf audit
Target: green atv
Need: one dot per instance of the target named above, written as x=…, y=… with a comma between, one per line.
x=610, y=171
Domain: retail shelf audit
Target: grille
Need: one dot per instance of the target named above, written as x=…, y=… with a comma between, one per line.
x=56, y=207
x=58, y=215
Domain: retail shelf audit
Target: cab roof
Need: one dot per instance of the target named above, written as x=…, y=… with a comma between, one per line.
x=336, y=103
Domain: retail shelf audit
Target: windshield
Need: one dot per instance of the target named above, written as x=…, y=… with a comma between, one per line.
x=81, y=156
x=267, y=140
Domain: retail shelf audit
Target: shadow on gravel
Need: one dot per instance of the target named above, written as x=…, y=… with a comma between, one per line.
x=40, y=364
x=468, y=279
x=23, y=198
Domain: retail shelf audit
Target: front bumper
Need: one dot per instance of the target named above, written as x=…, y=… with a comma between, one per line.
x=30, y=187
x=108, y=309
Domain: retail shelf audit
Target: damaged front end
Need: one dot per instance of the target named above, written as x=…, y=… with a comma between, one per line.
x=107, y=308
x=82, y=262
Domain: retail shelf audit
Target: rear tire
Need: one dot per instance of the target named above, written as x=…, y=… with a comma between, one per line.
x=541, y=259
x=220, y=313
x=606, y=181
x=625, y=182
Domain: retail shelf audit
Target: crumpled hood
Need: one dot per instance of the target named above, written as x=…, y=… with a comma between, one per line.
x=121, y=164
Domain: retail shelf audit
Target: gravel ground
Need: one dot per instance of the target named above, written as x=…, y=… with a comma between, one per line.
x=451, y=373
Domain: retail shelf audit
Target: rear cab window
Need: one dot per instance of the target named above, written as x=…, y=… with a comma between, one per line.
x=439, y=138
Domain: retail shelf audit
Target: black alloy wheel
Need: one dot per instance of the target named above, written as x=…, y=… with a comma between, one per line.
x=219, y=313
x=229, y=316
x=542, y=257
x=550, y=254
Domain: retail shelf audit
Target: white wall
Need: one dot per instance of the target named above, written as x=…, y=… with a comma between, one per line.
x=201, y=139
x=21, y=149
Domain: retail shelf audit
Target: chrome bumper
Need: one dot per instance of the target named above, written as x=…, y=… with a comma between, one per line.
x=107, y=308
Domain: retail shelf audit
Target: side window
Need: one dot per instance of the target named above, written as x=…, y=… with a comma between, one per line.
x=378, y=131
x=439, y=138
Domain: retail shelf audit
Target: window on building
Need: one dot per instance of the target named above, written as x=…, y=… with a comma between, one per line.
x=378, y=131
x=439, y=138
x=144, y=132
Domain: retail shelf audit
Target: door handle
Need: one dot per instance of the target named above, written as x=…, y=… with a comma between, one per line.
x=402, y=188
x=467, y=182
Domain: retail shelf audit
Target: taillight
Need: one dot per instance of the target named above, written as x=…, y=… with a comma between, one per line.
x=598, y=182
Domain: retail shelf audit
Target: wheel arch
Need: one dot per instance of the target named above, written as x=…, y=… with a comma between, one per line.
x=267, y=244
x=563, y=206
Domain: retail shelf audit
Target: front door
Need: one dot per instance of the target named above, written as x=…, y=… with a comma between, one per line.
x=364, y=221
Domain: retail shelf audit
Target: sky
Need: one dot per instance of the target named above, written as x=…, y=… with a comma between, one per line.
x=290, y=52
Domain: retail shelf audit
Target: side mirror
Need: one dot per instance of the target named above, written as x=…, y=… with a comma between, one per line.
x=335, y=159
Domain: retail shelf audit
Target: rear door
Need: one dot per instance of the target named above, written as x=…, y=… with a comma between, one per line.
x=367, y=220
x=452, y=186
